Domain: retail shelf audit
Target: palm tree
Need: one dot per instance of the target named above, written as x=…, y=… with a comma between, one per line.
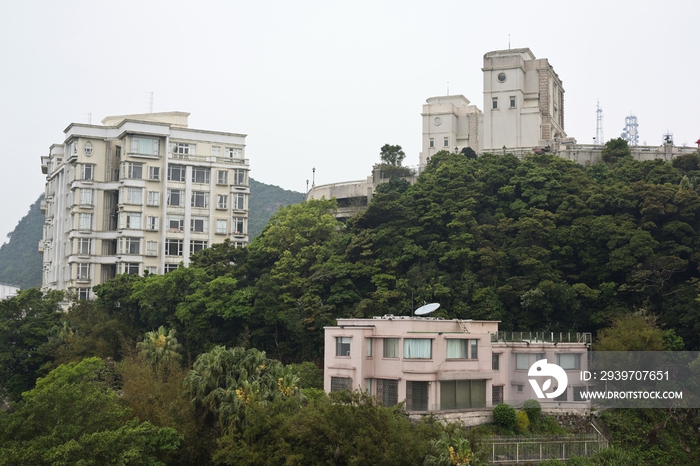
x=160, y=347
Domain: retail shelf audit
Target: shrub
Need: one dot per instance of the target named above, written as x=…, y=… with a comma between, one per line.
x=533, y=410
x=504, y=416
x=522, y=423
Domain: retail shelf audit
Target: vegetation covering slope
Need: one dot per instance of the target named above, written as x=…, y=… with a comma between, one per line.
x=20, y=262
x=265, y=199
x=539, y=243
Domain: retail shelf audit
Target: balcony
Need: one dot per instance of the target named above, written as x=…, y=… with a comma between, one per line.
x=42, y=206
x=541, y=337
x=41, y=246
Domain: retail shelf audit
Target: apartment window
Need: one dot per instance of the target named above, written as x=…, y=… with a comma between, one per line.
x=154, y=173
x=152, y=248
x=84, y=246
x=130, y=245
x=131, y=220
x=176, y=197
x=152, y=270
x=238, y=225
x=342, y=346
x=183, y=148
x=196, y=246
x=144, y=146
x=200, y=175
x=199, y=224
x=132, y=170
x=496, y=395
x=83, y=272
x=216, y=151
x=222, y=177
x=368, y=343
x=494, y=103
x=83, y=293
x=416, y=395
x=74, y=148
x=512, y=101
x=457, y=349
x=221, y=227
x=391, y=347
x=234, y=152
x=152, y=223
x=462, y=394
x=154, y=198
x=176, y=173
x=87, y=171
x=446, y=142
x=432, y=143
x=563, y=397
x=200, y=199
x=495, y=361
x=522, y=361
x=176, y=222
x=388, y=391
x=340, y=383
x=417, y=348
x=132, y=268
x=86, y=196
x=173, y=247
x=239, y=244
x=238, y=201
x=222, y=201
x=85, y=222
x=170, y=267
x=578, y=393
x=240, y=177
x=88, y=148
x=569, y=361
x=130, y=195
x=474, y=348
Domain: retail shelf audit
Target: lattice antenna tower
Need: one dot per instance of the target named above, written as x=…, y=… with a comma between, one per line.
x=630, y=133
x=150, y=102
x=599, y=138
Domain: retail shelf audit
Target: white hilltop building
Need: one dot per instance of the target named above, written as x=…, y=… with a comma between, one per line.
x=523, y=112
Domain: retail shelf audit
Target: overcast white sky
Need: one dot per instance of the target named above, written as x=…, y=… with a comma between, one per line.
x=325, y=84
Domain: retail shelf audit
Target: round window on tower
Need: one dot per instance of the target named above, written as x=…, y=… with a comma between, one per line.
x=501, y=77
x=88, y=148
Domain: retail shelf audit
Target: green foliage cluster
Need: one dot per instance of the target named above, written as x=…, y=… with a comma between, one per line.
x=522, y=422
x=20, y=261
x=504, y=416
x=265, y=200
x=533, y=410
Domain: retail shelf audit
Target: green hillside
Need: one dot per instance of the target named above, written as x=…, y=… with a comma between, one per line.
x=20, y=261
x=265, y=199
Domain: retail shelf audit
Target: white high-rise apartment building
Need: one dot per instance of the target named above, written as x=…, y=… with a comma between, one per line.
x=137, y=194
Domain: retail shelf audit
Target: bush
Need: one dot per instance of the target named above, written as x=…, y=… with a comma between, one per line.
x=310, y=376
x=522, y=423
x=504, y=416
x=533, y=409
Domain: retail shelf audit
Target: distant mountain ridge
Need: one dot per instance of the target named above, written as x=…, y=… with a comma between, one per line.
x=20, y=261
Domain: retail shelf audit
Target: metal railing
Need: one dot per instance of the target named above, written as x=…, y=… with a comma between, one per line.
x=545, y=337
x=507, y=450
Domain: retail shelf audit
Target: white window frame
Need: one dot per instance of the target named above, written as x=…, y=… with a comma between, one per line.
x=176, y=195
x=131, y=195
x=177, y=244
x=221, y=226
x=85, y=221
x=196, y=221
x=87, y=171
x=130, y=220
x=222, y=201
x=417, y=348
x=183, y=148
x=82, y=271
x=238, y=201
x=150, y=148
x=222, y=177
x=178, y=220
x=200, y=197
x=152, y=223
x=86, y=196
x=216, y=151
x=84, y=246
x=154, y=198
x=129, y=245
x=151, y=248
x=131, y=170
x=176, y=170
x=235, y=222
x=203, y=173
x=197, y=245
x=240, y=177
x=234, y=152
x=154, y=173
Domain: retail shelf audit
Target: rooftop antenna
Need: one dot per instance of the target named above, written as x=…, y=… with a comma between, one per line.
x=150, y=102
x=313, y=177
x=508, y=41
x=599, y=138
x=89, y=118
x=448, y=88
x=630, y=133
x=427, y=309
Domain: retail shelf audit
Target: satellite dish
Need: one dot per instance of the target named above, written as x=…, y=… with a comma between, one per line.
x=427, y=309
